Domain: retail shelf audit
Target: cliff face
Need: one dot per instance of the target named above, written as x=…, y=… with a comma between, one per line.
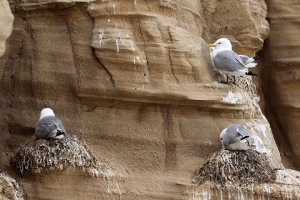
x=5, y=23
x=134, y=79
x=280, y=78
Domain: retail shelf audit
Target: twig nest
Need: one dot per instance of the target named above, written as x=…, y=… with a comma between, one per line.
x=235, y=167
x=55, y=154
x=9, y=188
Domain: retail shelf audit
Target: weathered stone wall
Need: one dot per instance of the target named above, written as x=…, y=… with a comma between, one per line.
x=134, y=79
x=5, y=23
x=280, y=77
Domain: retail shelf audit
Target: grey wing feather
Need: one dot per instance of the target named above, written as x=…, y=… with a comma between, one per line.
x=235, y=133
x=233, y=128
x=245, y=134
x=242, y=131
x=230, y=136
x=244, y=58
x=228, y=60
x=46, y=125
x=234, y=137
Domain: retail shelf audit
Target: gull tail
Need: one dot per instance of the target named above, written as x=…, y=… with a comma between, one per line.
x=251, y=65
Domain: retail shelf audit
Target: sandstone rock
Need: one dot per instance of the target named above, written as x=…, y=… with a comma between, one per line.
x=136, y=81
x=46, y=4
x=9, y=188
x=6, y=24
x=146, y=52
x=70, y=184
x=280, y=78
x=243, y=22
x=285, y=187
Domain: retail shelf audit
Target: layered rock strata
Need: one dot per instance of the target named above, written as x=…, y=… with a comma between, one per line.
x=6, y=23
x=135, y=80
x=280, y=77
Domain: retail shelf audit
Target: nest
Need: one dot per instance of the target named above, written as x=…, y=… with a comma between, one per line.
x=53, y=155
x=236, y=167
x=9, y=188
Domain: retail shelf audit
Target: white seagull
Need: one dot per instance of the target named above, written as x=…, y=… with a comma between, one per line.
x=49, y=126
x=249, y=62
x=227, y=60
x=235, y=137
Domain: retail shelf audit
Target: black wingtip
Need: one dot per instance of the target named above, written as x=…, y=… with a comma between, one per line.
x=256, y=58
x=58, y=133
x=249, y=73
x=245, y=137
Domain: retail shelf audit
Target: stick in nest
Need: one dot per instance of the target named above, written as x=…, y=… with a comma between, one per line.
x=50, y=155
x=9, y=188
x=241, y=167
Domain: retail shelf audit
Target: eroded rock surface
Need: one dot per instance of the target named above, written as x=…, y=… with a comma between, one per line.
x=280, y=80
x=135, y=80
x=6, y=23
x=9, y=188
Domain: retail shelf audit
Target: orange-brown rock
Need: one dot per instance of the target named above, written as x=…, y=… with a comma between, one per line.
x=280, y=77
x=6, y=23
x=135, y=80
x=9, y=188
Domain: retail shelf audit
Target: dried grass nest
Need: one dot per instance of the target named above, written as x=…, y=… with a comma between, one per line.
x=9, y=188
x=235, y=167
x=55, y=154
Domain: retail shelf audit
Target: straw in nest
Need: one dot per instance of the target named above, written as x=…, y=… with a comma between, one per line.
x=240, y=167
x=9, y=188
x=51, y=155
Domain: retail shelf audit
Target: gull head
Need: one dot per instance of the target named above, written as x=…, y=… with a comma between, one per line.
x=223, y=137
x=222, y=43
x=46, y=112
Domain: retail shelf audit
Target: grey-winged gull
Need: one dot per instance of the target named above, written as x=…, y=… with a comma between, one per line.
x=49, y=126
x=235, y=137
x=227, y=60
x=249, y=62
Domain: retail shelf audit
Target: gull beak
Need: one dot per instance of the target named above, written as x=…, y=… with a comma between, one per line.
x=211, y=45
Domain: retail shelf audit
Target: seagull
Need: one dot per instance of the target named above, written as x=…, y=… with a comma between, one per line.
x=227, y=60
x=49, y=126
x=248, y=61
x=235, y=137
